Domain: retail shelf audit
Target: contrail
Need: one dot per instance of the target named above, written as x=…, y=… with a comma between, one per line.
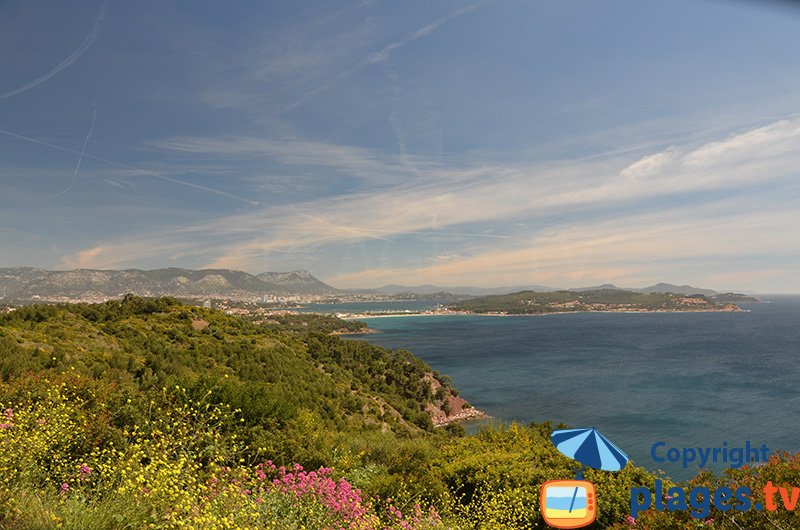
x=384, y=53
x=71, y=58
x=80, y=158
x=133, y=168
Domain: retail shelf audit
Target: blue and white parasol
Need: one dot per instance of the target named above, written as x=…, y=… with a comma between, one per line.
x=590, y=448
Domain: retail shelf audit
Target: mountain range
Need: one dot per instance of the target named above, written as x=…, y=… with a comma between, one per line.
x=22, y=283
x=25, y=283
x=427, y=289
x=657, y=288
x=483, y=291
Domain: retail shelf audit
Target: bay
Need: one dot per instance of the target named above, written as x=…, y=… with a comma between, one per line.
x=685, y=379
x=370, y=307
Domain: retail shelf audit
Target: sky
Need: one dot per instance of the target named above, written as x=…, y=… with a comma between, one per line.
x=486, y=143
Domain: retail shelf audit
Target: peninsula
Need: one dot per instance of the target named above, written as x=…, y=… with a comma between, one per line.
x=598, y=300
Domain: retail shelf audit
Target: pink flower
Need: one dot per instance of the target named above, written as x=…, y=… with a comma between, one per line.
x=631, y=520
x=65, y=487
x=9, y=413
x=341, y=500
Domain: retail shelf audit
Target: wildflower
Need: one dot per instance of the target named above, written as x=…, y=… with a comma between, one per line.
x=631, y=520
x=65, y=487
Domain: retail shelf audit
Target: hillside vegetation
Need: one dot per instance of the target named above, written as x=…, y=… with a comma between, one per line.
x=153, y=414
x=272, y=373
x=534, y=302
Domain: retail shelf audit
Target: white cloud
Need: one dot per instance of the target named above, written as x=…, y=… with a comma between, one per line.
x=490, y=195
x=772, y=140
x=633, y=248
x=354, y=161
x=650, y=164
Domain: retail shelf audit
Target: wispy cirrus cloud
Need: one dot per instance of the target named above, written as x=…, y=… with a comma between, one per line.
x=633, y=248
x=355, y=161
x=383, y=54
x=301, y=60
x=304, y=59
x=286, y=62
x=772, y=140
x=485, y=195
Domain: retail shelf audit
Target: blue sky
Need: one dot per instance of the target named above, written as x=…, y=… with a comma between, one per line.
x=486, y=143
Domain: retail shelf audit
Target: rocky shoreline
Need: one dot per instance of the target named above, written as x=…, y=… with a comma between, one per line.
x=345, y=332
x=464, y=415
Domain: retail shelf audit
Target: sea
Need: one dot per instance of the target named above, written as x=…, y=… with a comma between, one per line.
x=370, y=307
x=687, y=380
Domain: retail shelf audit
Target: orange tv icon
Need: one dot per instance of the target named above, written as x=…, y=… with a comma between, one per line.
x=568, y=503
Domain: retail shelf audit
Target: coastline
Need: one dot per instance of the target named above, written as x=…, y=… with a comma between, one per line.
x=362, y=316
x=461, y=417
x=345, y=333
x=473, y=414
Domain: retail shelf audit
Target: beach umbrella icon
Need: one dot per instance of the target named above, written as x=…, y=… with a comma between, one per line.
x=590, y=448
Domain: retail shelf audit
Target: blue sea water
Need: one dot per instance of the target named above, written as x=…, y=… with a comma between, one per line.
x=687, y=379
x=370, y=307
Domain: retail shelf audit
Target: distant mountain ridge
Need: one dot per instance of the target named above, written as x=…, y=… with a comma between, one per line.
x=657, y=288
x=395, y=289
x=299, y=279
x=22, y=283
x=27, y=282
x=483, y=291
